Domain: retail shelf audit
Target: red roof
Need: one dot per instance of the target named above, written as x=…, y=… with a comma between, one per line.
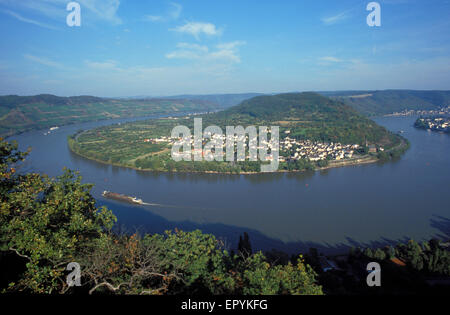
x=398, y=262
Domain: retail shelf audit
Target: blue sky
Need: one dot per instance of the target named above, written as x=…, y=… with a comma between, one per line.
x=151, y=47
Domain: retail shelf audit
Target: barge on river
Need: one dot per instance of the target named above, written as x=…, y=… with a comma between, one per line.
x=123, y=198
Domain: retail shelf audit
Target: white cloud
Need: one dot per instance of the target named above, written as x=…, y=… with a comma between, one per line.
x=197, y=28
x=27, y=20
x=226, y=52
x=227, y=55
x=183, y=54
x=105, y=10
x=330, y=59
x=193, y=47
x=106, y=65
x=330, y=20
x=43, y=61
x=153, y=18
x=231, y=45
x=173, y=13
x=188, y=51
x=54, y=9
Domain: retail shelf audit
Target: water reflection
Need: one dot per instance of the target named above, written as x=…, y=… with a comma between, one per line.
x=230, y=234
x=226, y=178
x=78, y=162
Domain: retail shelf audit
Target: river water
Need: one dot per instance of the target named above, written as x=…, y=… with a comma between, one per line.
x=367, y=205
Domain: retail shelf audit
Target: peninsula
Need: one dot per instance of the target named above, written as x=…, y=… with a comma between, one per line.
x=315, y=132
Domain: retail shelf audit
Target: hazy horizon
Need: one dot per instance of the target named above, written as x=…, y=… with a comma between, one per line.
x=231, y=93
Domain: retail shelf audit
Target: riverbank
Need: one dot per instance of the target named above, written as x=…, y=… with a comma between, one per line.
x=368, y=159
x=353, y=162
x=167, y=165
x=129, y=118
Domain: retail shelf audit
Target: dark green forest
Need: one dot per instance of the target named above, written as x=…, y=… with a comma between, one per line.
x=308, y=116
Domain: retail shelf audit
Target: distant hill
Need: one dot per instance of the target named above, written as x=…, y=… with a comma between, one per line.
x=370, y=102
x=24, y=113
x=223, y=100
x=308, y=116
x=12, y=101
x=374, y=103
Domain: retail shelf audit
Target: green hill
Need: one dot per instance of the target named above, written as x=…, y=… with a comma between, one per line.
x=374, y=103
x=24, y=113
x=12, y=101
x=223, y=100
x=308, y=116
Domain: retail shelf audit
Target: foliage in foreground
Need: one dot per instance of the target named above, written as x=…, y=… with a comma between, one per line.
x=47, y=223
x=428, y=257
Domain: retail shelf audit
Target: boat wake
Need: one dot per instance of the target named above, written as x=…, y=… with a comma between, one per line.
x=172, y=206
x=139, y=202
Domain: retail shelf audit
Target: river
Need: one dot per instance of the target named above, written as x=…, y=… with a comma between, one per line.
x=366, y=205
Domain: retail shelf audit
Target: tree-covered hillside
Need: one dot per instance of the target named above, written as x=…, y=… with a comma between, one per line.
x=308, y=116
x=24, y=113
x=223, y=100
x=373, y=103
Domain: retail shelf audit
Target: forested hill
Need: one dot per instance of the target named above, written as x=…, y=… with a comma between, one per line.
x=24, y=113
x=373, y=103
x=288, y=106
x=223, y=100
x=308, y=116
x=12, y=101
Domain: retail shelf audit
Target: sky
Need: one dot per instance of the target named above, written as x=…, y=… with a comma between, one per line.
x=159, y=48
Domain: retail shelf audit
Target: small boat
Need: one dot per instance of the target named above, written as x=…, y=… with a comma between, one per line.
x=123, y=198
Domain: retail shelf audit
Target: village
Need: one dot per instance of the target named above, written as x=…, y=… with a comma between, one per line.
x=290, y=149
x=435, y=124
x=316, y=151
x=440, y=111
